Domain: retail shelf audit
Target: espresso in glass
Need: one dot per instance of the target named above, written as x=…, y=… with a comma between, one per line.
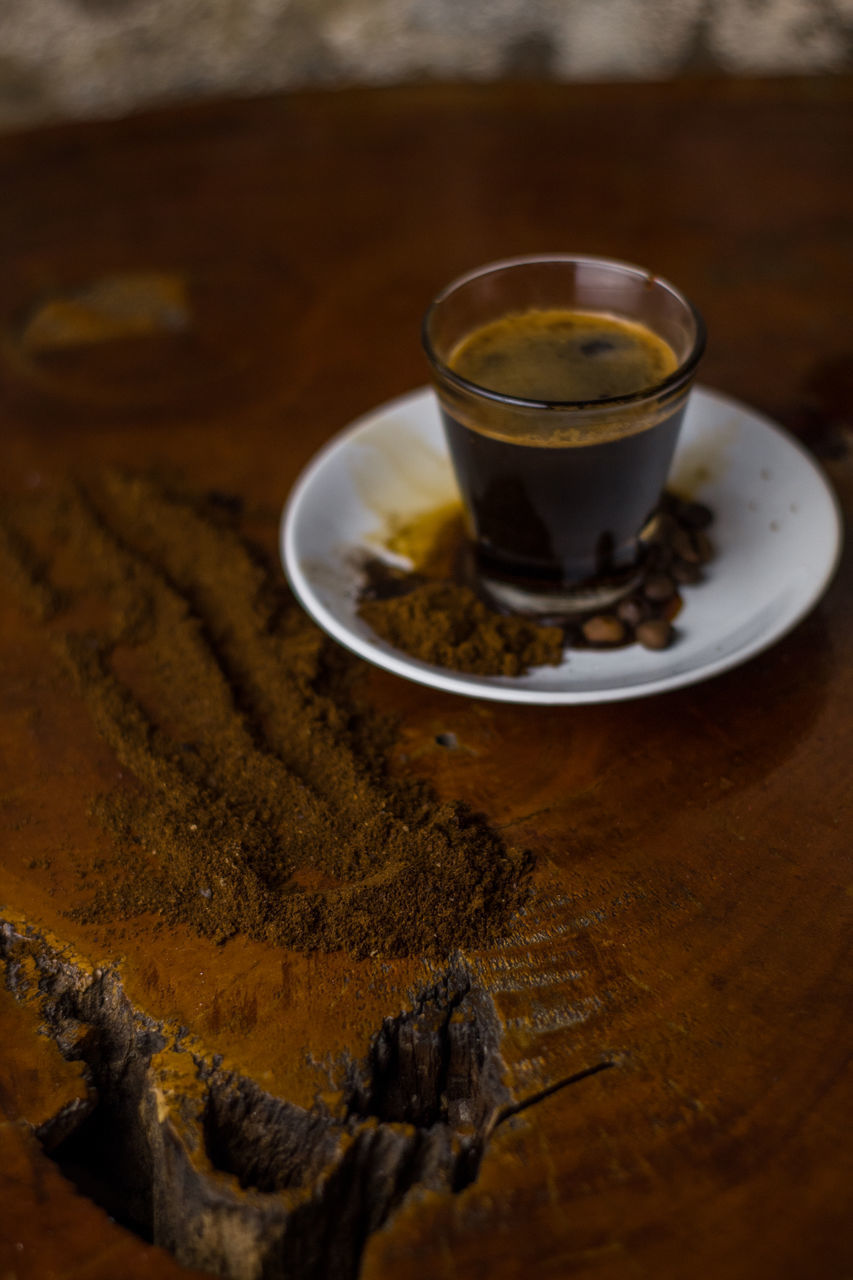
x=561, y=416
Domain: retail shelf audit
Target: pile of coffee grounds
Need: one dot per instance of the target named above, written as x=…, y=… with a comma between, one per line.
x=260, y=800
x=446, y=624
x=435, y=614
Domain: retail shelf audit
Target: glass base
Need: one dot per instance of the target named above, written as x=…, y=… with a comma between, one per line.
x=560, y=603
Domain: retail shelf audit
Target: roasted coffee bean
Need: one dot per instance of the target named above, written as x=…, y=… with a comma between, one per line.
x=658, y=558
x=684, y=546
x=676, y=546
x=632, y=610
x=654, y=633
x=704, y=546
x=685, y=573
x=604, y=628
x=696, y=515
x=660, y=529
x=658, y=587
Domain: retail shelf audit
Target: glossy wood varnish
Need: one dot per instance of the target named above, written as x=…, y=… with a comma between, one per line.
x=691, y=920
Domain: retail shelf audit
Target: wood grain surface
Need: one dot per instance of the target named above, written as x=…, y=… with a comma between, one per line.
x=659, y=1053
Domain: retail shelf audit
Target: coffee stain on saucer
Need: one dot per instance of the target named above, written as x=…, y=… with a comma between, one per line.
x=408, y=486
x=430, y=541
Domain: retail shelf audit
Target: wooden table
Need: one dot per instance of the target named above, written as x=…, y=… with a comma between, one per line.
x=670, y=1018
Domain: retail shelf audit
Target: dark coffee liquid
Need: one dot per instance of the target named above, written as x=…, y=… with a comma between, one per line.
x=533, y=506
x=556, y=514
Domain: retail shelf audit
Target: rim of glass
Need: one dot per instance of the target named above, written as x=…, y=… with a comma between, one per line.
x=669, y=383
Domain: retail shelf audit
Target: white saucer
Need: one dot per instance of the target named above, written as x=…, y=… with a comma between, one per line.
x=777, y=537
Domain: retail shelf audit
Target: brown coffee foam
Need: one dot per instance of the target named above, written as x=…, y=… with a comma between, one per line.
x=563, y=354
x=500, y=421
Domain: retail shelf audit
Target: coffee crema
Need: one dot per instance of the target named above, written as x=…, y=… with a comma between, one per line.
x=563, y=356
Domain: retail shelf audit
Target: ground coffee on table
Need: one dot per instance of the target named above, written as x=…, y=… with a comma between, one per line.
x=260, y=799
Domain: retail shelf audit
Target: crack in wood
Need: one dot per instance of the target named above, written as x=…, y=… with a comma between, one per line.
x=232, y=1180
x=514, y=1108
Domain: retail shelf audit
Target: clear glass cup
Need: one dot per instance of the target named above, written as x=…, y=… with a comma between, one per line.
x=557, y=493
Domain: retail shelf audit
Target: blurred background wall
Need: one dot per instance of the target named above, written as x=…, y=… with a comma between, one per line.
x=73, y=58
